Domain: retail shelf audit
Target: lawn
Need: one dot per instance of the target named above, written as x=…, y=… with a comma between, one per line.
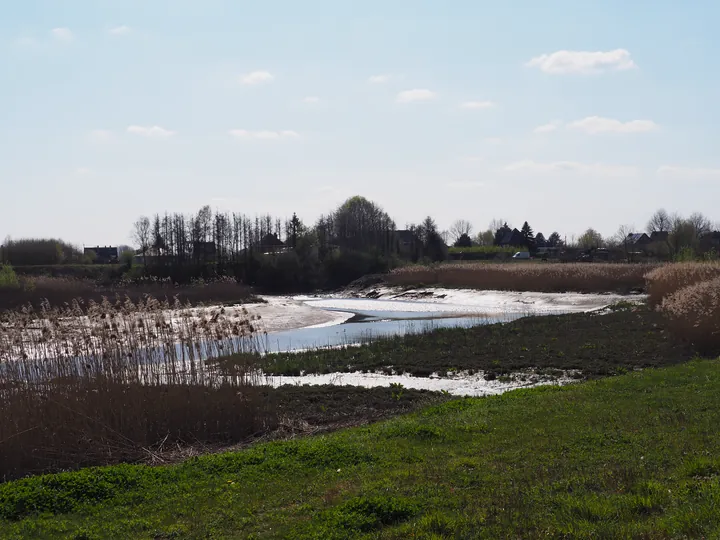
x=629, y=456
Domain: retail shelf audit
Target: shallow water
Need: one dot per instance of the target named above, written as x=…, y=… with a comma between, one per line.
x=366, y=326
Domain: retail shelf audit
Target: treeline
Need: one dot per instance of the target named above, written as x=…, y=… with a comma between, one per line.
x=40, y=251
x=274, y=254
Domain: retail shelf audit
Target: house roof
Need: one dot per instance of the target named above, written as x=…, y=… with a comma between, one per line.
x=638, y=238
x=511, y=238
x=271, y=240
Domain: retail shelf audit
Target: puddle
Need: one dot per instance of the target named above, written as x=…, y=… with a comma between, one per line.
x=459, y=385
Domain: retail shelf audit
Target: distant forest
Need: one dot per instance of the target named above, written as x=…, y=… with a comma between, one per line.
x=356, y=239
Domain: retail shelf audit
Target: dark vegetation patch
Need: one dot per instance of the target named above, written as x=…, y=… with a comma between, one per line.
x=627, y=338
x=624, y=457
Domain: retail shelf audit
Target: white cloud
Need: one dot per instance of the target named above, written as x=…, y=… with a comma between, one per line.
x=62, y=34
x=120, y=30
x=155, y=132
x=492, y=140
x=26, y=42
x=549, y=127
x=685, y=173
x=311, y=100
x=411, y=96
x=379, y=79
x=82, y=171
x=478, y=105
x=562, y=62
x=575, y=167
x=267, y=135
x=256, y=77
x=598, y=124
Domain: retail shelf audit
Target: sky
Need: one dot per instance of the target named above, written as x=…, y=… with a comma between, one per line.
x=566, y=113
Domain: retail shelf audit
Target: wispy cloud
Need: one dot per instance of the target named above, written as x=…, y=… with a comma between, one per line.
x=120, y=30
x=62, y=34
x=257, y=77
x=549, y=127
x=689, y=173
x=563, y=62
x=155, y=132
x=478, y=105
x=83, y=171
x=492, y=140
x=573, y=167
x=312, y=100
x=267, y=135
x=379, y=79
x=412, y=96
x=597, y=124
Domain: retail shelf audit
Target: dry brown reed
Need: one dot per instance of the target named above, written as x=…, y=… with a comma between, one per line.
x=106, y=382
x=694, y=312
x=62, y=290
x=667, y=279
x=539, y=277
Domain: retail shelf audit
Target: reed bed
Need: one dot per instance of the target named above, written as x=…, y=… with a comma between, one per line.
x=694, y=313
x=667, y=279
x=98, y=383
x=64, y=290
x=578, y=277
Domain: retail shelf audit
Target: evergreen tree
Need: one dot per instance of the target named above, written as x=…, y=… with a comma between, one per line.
x=554, y=240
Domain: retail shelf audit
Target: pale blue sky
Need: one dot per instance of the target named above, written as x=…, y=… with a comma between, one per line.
x=112, y=109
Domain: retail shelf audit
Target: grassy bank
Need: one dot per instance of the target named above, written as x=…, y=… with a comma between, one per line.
x=517, y=276
x=598, y=345
x=631, y=456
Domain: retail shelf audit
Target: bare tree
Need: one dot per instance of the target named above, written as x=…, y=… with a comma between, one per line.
x=141, y=234
x=700, y=223
x=660, y=221
x=496, y=224
x=622, y=237
x=461, y=227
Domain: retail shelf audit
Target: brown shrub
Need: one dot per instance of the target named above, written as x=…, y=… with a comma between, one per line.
x=669, y=278
x=694, y=312
x=579, y=277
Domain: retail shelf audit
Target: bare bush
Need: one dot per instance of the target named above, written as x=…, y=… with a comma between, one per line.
x=694, y=312
x=667, y=279
x=587, y=278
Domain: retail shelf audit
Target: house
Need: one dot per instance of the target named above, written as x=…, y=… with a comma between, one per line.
x=639, y=240
x=512, y=238
x=102, y=255
x=270, y=243
x=710, y=241
x=406, y=243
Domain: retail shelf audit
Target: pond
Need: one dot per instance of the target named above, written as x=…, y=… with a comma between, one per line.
x=366, y=319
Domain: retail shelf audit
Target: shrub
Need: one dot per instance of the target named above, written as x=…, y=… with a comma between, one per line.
x=8, y=278
x=694, y=312
x=667, y=279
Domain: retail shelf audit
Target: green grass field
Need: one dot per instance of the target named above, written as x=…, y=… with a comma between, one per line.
x=629, y=456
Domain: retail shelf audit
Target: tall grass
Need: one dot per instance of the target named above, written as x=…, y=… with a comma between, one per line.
x=667, y=279
x=694, y=312
x=63, y=290
x=101, y=383
x=579, y=277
